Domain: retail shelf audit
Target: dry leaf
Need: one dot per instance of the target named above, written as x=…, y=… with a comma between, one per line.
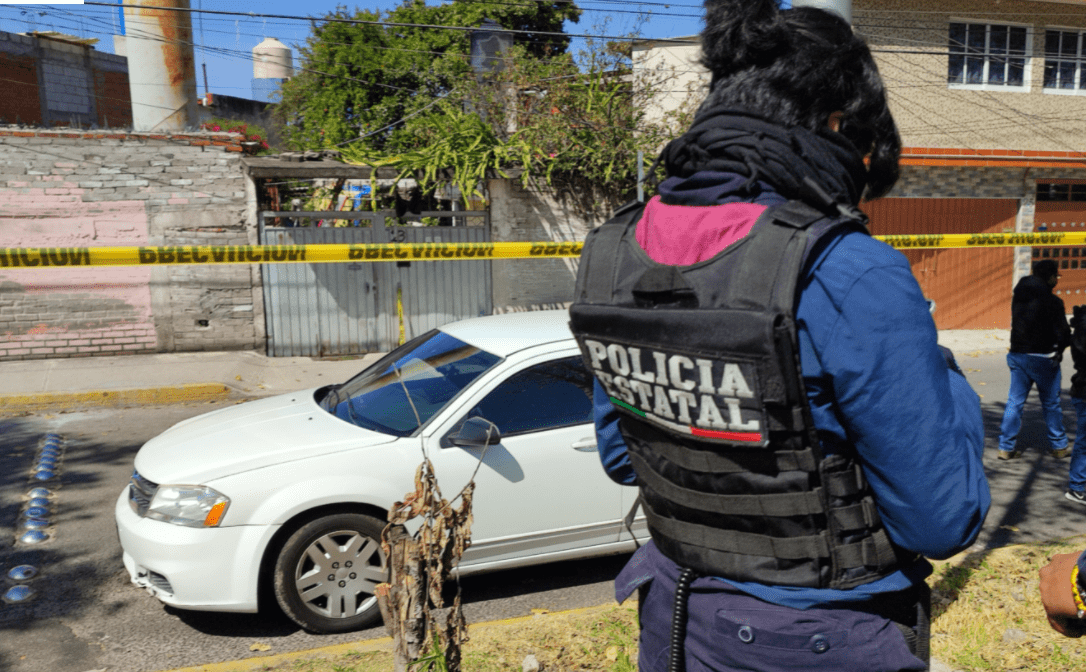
x=260, y=646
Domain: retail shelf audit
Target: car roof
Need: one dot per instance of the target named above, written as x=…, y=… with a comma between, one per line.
x=507, y=333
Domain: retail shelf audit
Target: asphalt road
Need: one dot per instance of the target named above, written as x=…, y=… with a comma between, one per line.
x=87, y=616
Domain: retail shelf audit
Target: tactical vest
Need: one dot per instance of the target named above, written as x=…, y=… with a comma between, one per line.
x=702, y=363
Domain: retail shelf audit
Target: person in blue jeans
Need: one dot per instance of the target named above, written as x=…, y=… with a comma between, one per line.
x=1076, y=489
x=1039, y=335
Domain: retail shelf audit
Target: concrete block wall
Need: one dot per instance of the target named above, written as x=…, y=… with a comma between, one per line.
x=56, y=83
x=526, y=215
x=88, y=189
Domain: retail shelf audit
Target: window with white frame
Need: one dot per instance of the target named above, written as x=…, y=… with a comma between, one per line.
x=1063, y=61
x=988, y=56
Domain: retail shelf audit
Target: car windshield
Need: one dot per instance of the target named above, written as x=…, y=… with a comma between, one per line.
x=410, y=385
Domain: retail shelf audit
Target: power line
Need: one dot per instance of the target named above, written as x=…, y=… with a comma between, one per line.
x=249, y=57
x=390, y=24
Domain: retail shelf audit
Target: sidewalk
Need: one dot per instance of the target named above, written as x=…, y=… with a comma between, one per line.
x=164, y=378
x=207, y=376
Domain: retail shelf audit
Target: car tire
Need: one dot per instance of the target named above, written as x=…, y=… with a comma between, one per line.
x=326, y=572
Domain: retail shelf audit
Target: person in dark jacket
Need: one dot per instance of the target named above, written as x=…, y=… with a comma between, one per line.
x=1039, y=335
x=1076, y=488
x=795, y=106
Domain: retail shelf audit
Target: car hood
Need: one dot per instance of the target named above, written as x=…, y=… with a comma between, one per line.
x=249, y=436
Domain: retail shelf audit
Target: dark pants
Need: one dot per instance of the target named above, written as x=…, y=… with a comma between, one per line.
x=730, y=630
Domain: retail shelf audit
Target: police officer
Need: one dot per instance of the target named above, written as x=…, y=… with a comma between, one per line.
x=768, y=375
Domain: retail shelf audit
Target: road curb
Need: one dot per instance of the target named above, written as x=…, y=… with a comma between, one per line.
x=365, y=646
x=131, y=397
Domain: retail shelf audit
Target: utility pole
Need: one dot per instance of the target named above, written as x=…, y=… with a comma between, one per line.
x=842, y=7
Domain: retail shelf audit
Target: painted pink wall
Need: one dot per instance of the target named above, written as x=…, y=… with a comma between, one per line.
x=117, y=301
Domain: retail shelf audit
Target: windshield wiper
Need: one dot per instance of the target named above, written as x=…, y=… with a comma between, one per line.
x=333, y=390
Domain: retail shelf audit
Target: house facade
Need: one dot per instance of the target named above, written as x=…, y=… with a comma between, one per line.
x=990, y=100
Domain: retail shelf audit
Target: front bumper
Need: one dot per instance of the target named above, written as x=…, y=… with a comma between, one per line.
x=213, y=569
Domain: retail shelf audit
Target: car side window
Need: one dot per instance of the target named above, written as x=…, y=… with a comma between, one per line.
x=545, y=396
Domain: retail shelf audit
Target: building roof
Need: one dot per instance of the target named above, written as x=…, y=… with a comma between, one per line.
x=63, y=37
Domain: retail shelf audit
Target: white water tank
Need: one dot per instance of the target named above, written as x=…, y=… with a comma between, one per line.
x=272, y=60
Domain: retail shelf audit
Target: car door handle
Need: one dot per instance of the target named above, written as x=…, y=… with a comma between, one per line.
x=585, y=445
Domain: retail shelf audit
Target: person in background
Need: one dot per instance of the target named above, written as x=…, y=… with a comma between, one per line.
x=1039, y=335
x=791, y=502
x=1076, y=487
x=1063, y=589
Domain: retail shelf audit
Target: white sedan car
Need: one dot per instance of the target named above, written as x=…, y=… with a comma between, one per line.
x=292, y=492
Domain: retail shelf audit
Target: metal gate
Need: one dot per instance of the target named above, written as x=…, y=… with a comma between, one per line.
x=1060, y=217
x=971, y=287
x=348, y=308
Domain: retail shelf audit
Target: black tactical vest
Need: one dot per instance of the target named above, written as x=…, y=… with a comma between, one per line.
x=702, y=363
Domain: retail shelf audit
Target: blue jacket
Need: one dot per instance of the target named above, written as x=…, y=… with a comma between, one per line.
x=877, y=384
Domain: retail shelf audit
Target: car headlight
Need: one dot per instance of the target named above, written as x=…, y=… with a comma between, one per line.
x=188, y=505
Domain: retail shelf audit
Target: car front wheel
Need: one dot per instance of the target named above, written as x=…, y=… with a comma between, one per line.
x=327, y=571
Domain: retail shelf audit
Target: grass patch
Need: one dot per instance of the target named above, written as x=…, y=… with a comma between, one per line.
x=987, y=613
x=602, y=639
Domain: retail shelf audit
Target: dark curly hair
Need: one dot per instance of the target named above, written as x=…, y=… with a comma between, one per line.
x=1046, y=268
x=796, y=67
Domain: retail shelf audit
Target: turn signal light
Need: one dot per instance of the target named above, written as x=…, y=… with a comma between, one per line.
x=214, y=516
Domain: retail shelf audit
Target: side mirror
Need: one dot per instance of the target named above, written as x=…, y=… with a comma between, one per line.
x=476, y=433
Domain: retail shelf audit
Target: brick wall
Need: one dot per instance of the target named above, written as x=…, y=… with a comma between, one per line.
x=19, y=75
x=86, y=189
x=112, y=96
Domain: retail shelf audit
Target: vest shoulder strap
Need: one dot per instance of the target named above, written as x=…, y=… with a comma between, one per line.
x=595, y=281
x=783, y=237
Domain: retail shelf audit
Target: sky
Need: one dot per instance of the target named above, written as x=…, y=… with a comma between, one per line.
x=225, y=43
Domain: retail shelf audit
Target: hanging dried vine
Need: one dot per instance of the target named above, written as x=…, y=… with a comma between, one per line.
x=419, y=566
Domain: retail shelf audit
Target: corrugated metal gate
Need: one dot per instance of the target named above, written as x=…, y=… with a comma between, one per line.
x=971, y=287
x=347, y=308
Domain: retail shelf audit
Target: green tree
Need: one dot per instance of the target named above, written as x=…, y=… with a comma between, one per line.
x=357, y=79
x=574, y=127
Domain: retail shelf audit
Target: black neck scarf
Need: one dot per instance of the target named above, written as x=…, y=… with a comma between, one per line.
x=822, y=169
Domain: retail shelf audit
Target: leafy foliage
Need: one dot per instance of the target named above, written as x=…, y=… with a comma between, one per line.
x=571, y=127
x=406, y=97
x=360, y=78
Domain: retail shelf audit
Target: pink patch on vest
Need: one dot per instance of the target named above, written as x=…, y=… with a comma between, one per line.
x=680, y=235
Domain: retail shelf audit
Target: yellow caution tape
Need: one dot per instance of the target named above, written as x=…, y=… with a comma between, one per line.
x=48, y=257
x=948, y=240
x=38, y=257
